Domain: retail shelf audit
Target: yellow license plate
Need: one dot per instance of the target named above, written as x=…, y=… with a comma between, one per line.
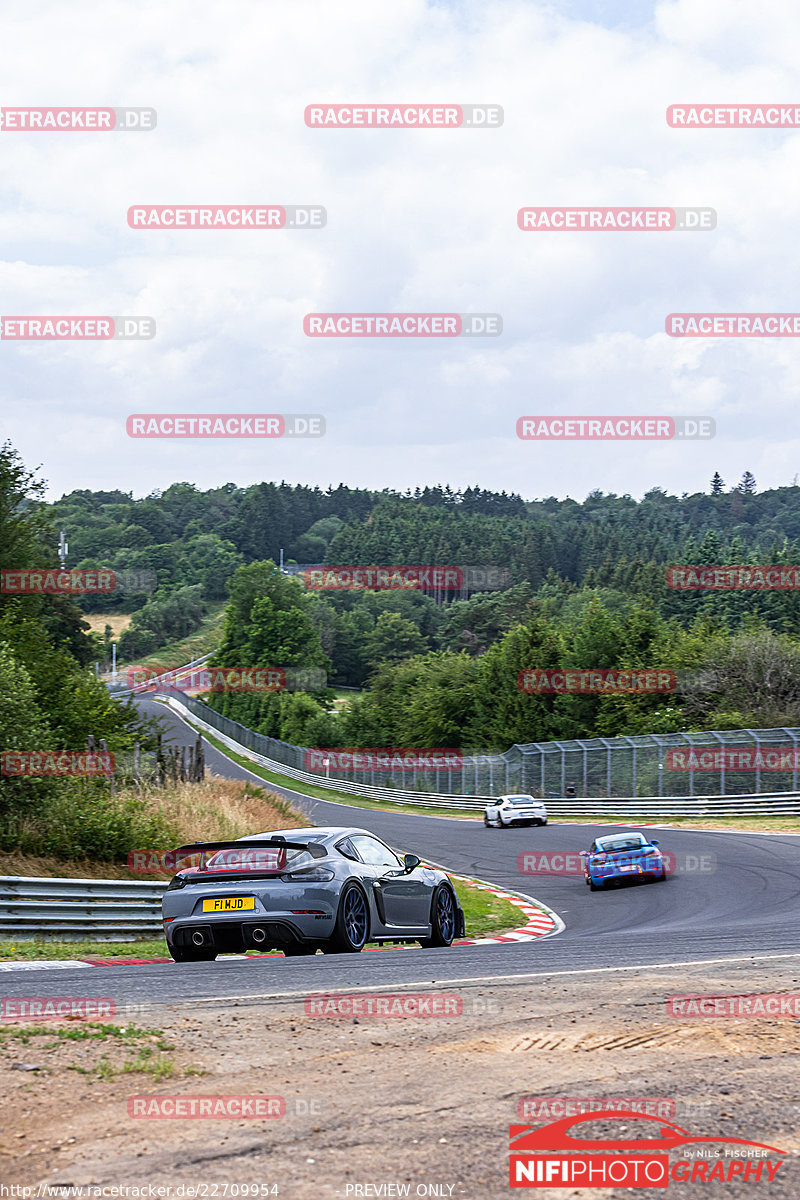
x=229, y=904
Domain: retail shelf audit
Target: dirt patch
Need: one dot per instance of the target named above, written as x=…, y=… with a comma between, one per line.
x=417, y=1101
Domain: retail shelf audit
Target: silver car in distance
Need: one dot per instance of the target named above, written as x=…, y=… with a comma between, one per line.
x=300, y=891
x=504, y=811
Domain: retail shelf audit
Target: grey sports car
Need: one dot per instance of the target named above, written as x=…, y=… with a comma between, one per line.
x=300, y=891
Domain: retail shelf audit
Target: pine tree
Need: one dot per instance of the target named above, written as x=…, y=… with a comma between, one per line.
x=717, y=484
x=747, y=484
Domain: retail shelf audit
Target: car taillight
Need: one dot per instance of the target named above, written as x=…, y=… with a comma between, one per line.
x=177, y=881
x=600, y=858
x=312, y=875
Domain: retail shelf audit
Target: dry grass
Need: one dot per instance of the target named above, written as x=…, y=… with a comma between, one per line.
x=221, y=809
x=215, y=810
x=119, y=622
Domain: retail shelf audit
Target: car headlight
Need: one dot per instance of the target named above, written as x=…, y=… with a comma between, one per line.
x=312, y=875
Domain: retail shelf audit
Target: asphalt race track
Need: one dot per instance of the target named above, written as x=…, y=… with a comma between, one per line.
x=732, y=896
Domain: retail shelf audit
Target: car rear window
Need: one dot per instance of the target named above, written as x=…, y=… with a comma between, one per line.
x=613, y=844
x=269, y=859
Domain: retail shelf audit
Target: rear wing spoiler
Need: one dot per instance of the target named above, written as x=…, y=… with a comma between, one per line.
x=315, y=849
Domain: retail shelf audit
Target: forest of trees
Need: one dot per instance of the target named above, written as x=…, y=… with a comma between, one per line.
x=50, y=699
x=586, y=586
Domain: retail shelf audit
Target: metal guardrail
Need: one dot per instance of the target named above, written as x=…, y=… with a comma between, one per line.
x=124, y=689
x=105, y=910
x=395, y=795
x=636, y=808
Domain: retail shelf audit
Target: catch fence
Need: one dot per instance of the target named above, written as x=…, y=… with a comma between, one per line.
x=661, y=768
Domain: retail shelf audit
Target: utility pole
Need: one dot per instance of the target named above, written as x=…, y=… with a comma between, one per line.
x=281, y=565
x=63, y=550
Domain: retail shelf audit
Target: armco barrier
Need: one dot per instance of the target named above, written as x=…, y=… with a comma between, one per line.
x=423, y=799
x=105, y=910
x=632, y=808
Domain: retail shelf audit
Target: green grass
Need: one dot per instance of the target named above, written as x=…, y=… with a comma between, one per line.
x=149, y=1048
x=205, y=639
x=42, y=949
x=485, y=914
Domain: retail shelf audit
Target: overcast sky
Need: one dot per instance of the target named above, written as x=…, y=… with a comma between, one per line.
x=417, y=221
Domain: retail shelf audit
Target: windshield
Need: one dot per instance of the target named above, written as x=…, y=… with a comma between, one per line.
x=610, y=844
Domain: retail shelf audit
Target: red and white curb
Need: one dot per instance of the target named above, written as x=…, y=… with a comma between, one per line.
x=541, y=920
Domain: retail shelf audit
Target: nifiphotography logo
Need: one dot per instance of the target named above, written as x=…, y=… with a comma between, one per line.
x=642, y=1162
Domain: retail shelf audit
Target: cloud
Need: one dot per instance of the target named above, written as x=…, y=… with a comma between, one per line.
x=418, y=220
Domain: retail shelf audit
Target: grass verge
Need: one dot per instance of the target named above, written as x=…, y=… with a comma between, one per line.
x=766, y=824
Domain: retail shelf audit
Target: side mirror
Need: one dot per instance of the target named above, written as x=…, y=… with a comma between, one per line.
x=653, y=842
x=410, y=862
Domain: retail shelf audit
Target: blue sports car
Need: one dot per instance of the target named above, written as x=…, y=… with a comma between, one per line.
x=622, y=856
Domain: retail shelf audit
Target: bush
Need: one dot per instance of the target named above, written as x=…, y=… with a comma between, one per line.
x=82, y=821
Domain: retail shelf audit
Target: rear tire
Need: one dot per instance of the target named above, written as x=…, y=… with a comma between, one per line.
x=486, y=821
x=352, y=923
x=596, y=887
x=443, y=918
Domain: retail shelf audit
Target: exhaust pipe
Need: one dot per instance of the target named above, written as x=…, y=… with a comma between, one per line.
x=259, y=936
x=198, y=938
